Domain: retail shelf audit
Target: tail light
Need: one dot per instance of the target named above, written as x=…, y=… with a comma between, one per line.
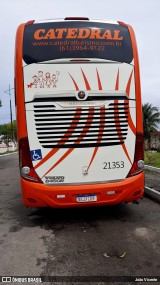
x=26, y=166
x=138, y=164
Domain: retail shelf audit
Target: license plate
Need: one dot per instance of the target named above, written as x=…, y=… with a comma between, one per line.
x=86, y=198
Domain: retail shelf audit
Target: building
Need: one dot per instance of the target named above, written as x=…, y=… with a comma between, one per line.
x=155, y=140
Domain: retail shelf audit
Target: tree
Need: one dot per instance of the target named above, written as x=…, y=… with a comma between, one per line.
x=151, y=119
x=5, y=131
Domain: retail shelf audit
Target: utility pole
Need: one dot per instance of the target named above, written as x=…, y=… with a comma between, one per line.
x=12, y=136
x=10, y=103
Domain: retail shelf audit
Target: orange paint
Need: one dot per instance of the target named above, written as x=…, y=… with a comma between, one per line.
x=118, y=127
x=130, y=122
x=72, y=33
x=75, y=84
x=139, y=116
x=39, y=34
x=83, y=33
x=100, y=134
x=44, y=195
x=77, y=33
x=117, y=81
x=86, y=81
x=19, y=86
x=99, y=81
x=50, y=35
x=129, y=84
x=95, y=34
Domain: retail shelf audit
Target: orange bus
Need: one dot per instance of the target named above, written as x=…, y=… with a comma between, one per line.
x=79, y=113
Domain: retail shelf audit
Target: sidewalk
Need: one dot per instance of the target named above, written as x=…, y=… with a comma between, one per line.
x=8, y=153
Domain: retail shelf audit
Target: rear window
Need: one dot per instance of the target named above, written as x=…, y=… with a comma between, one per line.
x=76, y=39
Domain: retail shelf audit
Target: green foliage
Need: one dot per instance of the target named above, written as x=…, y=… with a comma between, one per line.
x=152, y=158
x=151, y=119
x=5, y=130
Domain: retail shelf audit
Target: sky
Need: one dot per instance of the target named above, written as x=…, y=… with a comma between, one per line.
x=142, y=15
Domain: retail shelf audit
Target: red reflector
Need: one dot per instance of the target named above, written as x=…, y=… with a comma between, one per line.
x=25, y=160
x=76, y=18
x=29, y=23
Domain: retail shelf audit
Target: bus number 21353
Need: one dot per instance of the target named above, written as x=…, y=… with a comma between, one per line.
x=113, y=164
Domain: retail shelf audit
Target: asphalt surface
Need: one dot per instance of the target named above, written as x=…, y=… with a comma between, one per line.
x=75, y=242
x=152, y=179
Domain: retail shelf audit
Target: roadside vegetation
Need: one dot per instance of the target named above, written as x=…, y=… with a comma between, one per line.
x=6, y=132
x=152, y=158
x=151, y=121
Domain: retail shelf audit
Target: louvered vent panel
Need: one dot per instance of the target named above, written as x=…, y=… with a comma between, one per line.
x=82, y=126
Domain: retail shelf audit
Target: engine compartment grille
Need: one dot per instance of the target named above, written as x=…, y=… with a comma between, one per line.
x=81, y=127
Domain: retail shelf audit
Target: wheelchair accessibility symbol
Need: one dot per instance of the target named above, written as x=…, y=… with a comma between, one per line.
x=36, y=154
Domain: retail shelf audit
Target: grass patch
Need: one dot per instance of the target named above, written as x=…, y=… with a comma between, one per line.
x=152, y=158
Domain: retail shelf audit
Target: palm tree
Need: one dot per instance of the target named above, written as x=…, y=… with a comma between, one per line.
x=151, y=119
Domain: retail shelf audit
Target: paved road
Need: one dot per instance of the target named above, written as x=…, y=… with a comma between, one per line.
x=152, y=179
x=75, y=241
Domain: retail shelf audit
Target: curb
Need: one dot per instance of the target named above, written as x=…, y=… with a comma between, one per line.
x=152, y=193
x=152, y=168
x=1, y=155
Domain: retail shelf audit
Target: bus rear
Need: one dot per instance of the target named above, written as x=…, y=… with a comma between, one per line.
x=79, y=113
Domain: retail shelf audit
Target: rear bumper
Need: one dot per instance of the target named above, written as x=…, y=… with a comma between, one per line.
x=40, y=195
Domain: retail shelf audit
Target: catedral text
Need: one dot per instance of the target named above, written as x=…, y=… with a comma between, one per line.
x=75, y=33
